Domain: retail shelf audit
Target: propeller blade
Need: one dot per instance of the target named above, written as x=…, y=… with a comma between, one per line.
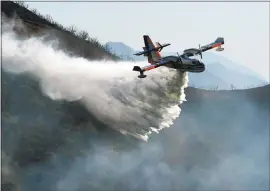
x=200, y=51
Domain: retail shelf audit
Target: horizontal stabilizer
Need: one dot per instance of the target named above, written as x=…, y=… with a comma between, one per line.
x=151, y=50
x=159, y=46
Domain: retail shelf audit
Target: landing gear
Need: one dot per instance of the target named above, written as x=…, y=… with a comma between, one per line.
x=142, y=75
x=137, y=68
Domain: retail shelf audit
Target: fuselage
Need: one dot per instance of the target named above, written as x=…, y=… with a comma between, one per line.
x=184, y=64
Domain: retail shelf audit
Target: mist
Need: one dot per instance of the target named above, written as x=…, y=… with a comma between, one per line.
x=59, y=106
x=111, y=91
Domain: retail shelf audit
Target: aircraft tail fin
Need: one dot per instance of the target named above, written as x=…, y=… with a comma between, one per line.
x=154, y=55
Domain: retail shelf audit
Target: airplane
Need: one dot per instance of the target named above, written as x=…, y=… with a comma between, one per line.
x=182, y=62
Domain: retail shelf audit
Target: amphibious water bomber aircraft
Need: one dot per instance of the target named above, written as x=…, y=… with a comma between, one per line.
x=182, y=62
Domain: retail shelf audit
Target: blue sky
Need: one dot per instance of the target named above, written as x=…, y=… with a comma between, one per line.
x=245, y=25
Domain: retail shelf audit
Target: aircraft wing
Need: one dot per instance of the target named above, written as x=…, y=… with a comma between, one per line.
x=216, y=44
x=152, y=66
x=148, y=67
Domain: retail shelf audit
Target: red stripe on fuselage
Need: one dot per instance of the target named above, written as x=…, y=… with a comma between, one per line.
x=153, y=46
x=216, y=45
x=149, y=67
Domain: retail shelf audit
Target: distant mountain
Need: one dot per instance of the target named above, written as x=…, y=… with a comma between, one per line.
x=220, y=73
x=234, y=77
x=120, y=48
x=211, y=57
x=207, y=80
x=123, y=51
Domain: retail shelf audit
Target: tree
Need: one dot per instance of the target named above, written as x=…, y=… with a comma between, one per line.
x=72, y=29
x=34, y=11
x=21, y=3
x=49, y=18
x=84, y=35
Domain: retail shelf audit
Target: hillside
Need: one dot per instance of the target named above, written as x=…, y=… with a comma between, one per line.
x=50, y=145
x=207, y=80
x=69, y=39
x=216, y=130
x=226, y=131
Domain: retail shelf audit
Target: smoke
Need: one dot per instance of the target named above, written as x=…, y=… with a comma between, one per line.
x=218, y=144
x=111, y=91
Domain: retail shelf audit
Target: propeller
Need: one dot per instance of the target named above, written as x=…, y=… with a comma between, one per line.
x=200, y=51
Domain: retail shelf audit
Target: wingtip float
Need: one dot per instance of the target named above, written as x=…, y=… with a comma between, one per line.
x=181, y=62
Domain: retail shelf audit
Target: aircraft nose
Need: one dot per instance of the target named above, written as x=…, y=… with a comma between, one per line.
x=202, y=66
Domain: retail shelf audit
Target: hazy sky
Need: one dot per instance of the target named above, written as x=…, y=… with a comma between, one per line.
x=245, y=26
